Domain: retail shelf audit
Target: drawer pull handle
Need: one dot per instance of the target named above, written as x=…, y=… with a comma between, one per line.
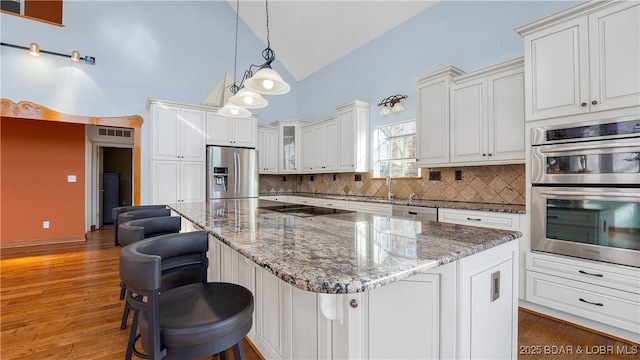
x=412, y=213
x=551, y=217
x=586, y=273
x=589, y=302
x=472, y=219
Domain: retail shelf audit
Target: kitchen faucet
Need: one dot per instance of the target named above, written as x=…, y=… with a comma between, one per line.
x=411, y=196
x=390, y=194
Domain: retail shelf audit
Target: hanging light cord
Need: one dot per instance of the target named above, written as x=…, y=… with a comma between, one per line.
x=268, y=54
x=234, y=88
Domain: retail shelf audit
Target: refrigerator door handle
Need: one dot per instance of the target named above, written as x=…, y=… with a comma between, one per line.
x=236, y=160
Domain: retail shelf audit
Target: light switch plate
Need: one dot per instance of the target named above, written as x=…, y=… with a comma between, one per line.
x=71, y=178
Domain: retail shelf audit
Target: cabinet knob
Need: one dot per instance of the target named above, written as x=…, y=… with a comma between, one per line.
x=353, y=303
x=484, y=154
x=584, y=104
x=594, y=102
x=490, y=154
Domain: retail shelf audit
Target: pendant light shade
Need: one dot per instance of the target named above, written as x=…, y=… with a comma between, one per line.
x=248, y=99
x=231, y=110
x=267, y=81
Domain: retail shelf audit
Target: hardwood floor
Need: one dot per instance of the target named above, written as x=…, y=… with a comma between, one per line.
x=61, y=302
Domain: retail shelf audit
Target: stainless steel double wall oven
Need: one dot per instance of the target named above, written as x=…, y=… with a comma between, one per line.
x=586, y=190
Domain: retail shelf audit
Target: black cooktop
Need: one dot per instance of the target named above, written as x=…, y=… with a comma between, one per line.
x=304, y=210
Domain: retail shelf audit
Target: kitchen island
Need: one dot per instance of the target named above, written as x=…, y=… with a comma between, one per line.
x=356, y=285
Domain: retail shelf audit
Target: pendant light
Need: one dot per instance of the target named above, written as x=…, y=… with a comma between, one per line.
x=266, y=80
x=248, y=99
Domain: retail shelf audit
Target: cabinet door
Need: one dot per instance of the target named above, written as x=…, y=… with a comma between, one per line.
x=288, y=148
x=192, y=138
x=261, y=147
x=506, y=116
x=244, y=132
x=331, y=146
x=273, y=301
x=247, y=278
x=319, y=147
x=405, y=314
x=165, y=138
x=271, y=152
x=469, y=122
x=556, y=71
x=432, y=123
x=614, y=55
x=308, y=149
x=346, y=141
x=166, y=182
x=193, y=181
x=219, y=130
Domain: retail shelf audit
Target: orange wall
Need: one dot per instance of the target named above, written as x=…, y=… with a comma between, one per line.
x=35, y=160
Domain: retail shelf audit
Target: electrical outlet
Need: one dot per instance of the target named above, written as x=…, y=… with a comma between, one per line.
x=434, y=175
x=284, y=178
x=310, y=177
x=71, y=178
x=458, y=174
x=45, y=224
x=358, y=177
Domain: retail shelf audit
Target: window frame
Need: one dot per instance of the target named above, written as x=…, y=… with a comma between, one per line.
x=377, y=148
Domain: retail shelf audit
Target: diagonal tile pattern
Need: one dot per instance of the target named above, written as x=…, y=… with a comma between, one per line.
x=494, y=184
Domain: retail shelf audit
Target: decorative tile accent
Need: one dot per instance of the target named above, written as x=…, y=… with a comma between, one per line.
x=494, y=184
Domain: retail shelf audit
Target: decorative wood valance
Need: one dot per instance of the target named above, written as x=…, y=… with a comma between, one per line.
x=32, y=111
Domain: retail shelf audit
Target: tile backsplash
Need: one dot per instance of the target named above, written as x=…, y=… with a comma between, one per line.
x=495, y=184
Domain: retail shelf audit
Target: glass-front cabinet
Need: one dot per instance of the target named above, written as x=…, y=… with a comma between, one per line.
x=289, y=145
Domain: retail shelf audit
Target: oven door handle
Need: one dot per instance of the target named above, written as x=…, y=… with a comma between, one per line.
x=601, y=194
x=621, y=144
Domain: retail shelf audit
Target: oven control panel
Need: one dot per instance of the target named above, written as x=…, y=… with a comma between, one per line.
x=594, y=131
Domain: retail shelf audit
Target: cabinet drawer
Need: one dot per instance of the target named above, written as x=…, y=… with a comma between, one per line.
x=367, y=207
x=613, y=307
x=618, y=277
x=332, y=203
x=486, y=219
x=302, y=200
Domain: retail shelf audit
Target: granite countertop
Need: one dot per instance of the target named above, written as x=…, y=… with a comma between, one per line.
x=506, y=208
x=339, y=253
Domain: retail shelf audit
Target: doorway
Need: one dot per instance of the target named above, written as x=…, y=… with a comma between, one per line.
x=117, y=184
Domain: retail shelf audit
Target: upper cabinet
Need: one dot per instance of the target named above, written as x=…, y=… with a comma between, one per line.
x=226, y=131
x=267, y=146
x=487, y=115
x=583, y=60
x=289, y=149
x=320, y=146
x=353, y=136
x=177, y=132
x=432, y=121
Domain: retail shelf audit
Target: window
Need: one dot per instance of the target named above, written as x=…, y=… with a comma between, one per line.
x=395, y=154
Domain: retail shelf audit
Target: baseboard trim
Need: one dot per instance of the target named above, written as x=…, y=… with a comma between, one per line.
x=37, y=242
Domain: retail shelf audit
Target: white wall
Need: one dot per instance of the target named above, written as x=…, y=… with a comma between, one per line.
x=169, y=50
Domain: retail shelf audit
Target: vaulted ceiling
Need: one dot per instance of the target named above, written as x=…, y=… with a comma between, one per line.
x=308, y=35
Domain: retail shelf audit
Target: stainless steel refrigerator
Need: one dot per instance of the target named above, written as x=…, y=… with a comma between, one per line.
x=232, y=173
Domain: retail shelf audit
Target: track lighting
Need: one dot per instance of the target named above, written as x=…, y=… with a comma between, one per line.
x=34, y=49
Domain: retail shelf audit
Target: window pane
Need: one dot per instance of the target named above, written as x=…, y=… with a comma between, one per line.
x=411, y=146
x=384, y=150
x=410, y=168
x=397, y=148
x=396, y=168
x=382, y=168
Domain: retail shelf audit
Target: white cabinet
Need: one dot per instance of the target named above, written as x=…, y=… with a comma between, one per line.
x=176, y=132
x=353, y=136
x=178, y=181
x=486, y=219
x=432, y=121
x=605, y=293
x=178, y=152
x=320, y=147
x=289, y=148
x=582, y=60
x=489, y=304
x=267, y=146
x=487, y=115
x=226, y=131
x=369, y=207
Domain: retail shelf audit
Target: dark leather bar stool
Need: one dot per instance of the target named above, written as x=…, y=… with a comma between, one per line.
x=186, y=322
x=136, y=230
x=115, y=212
